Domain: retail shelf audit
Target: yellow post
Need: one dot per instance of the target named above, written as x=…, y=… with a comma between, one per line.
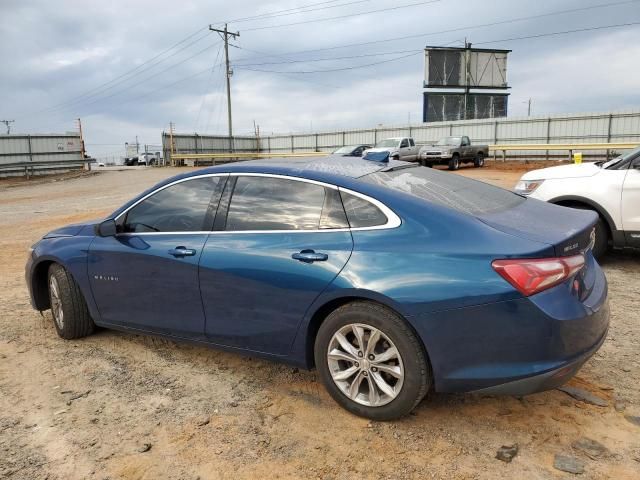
x=577, y=158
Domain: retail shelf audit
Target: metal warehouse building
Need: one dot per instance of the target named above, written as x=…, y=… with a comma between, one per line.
x=40, y=153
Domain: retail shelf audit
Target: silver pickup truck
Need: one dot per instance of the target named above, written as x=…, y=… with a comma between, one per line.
x=399, y=148
x=453, y=151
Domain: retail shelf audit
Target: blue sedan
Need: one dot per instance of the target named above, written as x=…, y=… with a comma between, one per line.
x=391, y=279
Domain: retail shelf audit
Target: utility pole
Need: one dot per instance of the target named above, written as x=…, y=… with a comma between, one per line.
x=225, y=35
x=81, y=139
x=529, y=108
x=467, y=60
x=7, y=124
x=256, y=132
x=137, y=145
x=171, y=144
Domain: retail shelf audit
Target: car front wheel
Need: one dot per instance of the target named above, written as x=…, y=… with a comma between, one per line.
x=68, y=307
x=371, y=362
x=454, y=163
x=601, y=243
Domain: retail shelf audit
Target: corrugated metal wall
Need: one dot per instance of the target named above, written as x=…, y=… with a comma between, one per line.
x=582, y=128
x=18, y=151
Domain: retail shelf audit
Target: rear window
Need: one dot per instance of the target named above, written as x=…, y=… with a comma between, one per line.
x=362, y=213
x=448, y=189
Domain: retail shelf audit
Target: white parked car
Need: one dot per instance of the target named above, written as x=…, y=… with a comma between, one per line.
x=612, y=189
x=147, y=158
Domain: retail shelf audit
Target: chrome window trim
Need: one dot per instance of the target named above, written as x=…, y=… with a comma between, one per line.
x=393, y=220
x=124, y=212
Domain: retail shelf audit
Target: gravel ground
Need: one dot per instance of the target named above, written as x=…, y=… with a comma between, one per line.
x=116, y=405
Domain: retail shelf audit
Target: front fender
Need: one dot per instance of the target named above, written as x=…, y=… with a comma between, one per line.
x=71, y=253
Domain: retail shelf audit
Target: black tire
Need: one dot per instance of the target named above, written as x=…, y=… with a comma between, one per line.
x=601, y=244
x=417, y=373
x=454, y=163
x=478, y=162
x=75, y=321
x=395, y=157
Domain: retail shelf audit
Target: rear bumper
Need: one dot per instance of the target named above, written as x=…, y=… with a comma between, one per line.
x=544, y=381
x=517, y=346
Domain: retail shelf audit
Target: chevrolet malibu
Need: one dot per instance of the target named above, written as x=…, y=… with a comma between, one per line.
x=389, y=278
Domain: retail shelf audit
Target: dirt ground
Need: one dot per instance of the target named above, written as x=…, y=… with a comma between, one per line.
x=122, y=406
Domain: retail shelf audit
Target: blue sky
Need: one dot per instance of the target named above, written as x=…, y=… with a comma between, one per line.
x=59, y=58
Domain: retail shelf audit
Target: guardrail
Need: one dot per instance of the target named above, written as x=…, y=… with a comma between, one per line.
x=195, y=156
x=237, y=156
x=29, y=168
x=570, y=147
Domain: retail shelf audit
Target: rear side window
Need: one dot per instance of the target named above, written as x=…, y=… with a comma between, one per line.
x=265, y=203
x=447, y=189
x=362, y=213
x=184, y=207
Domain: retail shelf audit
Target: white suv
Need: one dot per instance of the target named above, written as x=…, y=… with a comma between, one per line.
x=612, y=189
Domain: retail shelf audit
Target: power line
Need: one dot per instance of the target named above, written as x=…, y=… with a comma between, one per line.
x=397, y=7
x=565, y=32
x=549, y=34
x=204, y=95
x=89, y=93
x=354, y=67
x=144, y=80
x=327, y=59
x=217, y=108
x=458, y=29
x=180, y=80
x=294, y=11
x=83, y=98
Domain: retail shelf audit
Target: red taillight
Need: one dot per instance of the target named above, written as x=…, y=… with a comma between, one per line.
x=531, y=276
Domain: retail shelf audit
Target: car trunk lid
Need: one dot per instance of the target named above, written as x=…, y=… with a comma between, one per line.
x=568, y=230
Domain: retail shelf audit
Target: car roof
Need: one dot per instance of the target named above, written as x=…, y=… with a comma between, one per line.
x=322, y=168
x=331, y=169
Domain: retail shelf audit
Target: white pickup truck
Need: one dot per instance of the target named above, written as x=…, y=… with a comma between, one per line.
x=611, y=189
x=399, y=148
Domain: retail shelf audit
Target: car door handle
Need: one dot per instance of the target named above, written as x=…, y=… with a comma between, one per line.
x=309, y=256
x=179, y=252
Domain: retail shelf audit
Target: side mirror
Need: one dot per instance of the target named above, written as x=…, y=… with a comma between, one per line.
x=106, y=228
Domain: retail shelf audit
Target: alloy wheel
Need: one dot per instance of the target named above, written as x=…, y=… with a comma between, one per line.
x=56, y=302
x=365, y=365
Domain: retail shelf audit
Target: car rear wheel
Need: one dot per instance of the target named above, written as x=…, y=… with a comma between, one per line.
x=454, y=163
x=68, y=307
x=478, y=162
x=371, y=362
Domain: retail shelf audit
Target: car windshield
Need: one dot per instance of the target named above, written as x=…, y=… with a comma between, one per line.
x=455, y=141
x=620, y=158
x=347, y=149
x=389, y=142
x=453, y=191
